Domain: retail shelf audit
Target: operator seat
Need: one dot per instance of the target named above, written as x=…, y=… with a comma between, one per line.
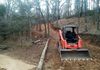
x=71, y=37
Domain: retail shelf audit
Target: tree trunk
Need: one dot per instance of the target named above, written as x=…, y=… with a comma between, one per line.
x=45, y=29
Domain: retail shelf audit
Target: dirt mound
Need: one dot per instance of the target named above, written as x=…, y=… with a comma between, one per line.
x=88, y=27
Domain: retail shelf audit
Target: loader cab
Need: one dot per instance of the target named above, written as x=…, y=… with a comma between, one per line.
x=70, y=33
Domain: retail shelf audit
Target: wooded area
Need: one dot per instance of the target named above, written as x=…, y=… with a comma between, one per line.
x=18, y=16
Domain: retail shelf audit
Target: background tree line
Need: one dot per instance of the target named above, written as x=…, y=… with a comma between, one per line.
x=18, y=16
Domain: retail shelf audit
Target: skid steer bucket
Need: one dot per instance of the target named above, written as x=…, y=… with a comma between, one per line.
x=74, y=54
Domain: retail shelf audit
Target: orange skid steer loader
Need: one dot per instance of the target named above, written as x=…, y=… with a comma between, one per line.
x=70, y=44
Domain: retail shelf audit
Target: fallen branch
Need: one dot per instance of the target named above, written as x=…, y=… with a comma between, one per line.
x=34, y=42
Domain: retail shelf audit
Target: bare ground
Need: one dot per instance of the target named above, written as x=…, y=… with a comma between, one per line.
x=8, y=63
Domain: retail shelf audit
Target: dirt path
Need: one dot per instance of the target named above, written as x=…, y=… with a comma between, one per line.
x=9, y=63
x=52, y=61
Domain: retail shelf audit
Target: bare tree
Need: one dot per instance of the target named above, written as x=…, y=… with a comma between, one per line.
x=47, y=15
x=37, y=3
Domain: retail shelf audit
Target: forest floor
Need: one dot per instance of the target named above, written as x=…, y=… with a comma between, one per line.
x=52, y=61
